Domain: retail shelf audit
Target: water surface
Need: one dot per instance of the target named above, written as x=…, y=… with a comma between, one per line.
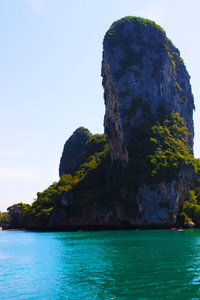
x=146, y=264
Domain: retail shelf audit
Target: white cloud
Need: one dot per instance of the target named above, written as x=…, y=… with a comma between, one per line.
x=39, y=6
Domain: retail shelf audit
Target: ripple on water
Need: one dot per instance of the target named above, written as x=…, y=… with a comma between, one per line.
x=153, y=264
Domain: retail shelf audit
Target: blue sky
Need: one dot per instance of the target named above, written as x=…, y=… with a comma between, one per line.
x=50, y=78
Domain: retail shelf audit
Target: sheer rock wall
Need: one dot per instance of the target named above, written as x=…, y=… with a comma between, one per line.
x=141, y=66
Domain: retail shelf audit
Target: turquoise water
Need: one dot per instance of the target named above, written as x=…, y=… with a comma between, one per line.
x=147, y=264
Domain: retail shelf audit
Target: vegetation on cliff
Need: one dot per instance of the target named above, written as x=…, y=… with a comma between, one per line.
x=156, y=131
x=158, y=152
x=148, y=72
x=14, y=218
x=74, y=148
x=84, y=186
x=115, y=36
x=2, y=215
x=191, y=206
x=158, y=42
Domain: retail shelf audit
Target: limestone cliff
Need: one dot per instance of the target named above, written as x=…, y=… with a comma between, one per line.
x=74, y=148
x=14, y=219
x=158, y=207
x=80, y=145
x=141, y=67
x=141, y=173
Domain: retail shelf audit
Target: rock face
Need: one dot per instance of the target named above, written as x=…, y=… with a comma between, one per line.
x=159, y=204
x=142, y=179
x=14, y=219
x=74, y=148
x=141, y=67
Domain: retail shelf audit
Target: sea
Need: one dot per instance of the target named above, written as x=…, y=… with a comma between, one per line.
x=132, y=264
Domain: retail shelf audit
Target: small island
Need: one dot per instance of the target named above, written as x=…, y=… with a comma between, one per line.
x=141, y=173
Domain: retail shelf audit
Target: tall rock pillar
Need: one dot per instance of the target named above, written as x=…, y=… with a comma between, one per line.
x=141, y=68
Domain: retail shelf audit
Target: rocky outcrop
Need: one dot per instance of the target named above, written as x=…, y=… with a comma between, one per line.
x=14, y=219
x=141, y=67
x=72, y=155
x=78, y=148
x=159, y=204
x=142, y=179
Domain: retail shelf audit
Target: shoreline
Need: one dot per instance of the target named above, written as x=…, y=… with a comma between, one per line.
x=100, y=228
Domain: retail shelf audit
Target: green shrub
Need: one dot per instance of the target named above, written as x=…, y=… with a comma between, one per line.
x=3, y=215
x=191, y=206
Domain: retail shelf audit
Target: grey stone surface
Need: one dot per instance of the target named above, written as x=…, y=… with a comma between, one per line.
x=141, y=65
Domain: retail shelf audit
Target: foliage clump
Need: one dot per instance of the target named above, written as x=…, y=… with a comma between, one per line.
x=82, y=185
x=191, y=206
x=78, y=148
x=115, y=36
x=2, y=216
x=169, y=139
x=14, y=218
x=157, y=151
